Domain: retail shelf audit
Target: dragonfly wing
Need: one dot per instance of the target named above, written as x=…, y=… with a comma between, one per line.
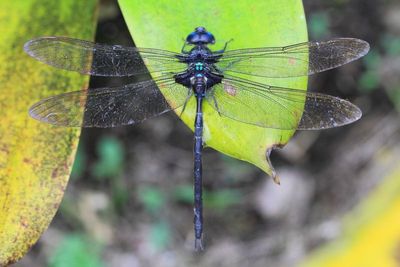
x=324, y=111
x=101, y=60
x=295, y=60
x=111, y=107
x=279, y=108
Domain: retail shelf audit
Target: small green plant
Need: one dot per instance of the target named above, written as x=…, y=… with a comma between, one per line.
x=76, y=251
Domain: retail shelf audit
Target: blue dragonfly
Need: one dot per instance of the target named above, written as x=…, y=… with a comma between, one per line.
x=221, y=77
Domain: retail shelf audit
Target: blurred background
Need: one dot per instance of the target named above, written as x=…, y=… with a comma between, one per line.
x=129, y=201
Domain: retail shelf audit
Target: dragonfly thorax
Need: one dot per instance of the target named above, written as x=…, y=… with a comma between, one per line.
x=199, y=77
x=201, y=53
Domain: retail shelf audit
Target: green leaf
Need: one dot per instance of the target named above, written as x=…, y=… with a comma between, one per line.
x=76, y=251
x=35, y=158
x=369, y=81
x=184, y=193
x=319, y=25
x=391, y=44
x=160, y=235
x=164, y=24
x=111, y=157
x=152, y=198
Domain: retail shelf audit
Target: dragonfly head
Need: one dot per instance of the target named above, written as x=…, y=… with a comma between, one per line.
x=200, y=36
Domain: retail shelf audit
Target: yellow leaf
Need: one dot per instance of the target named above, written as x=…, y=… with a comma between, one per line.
x=35, y=158
x=371, y=232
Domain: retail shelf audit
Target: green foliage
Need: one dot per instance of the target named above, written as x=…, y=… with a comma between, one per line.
x=120, y=194
x=152, y=198
x=184, y=193
x=394, y=95
x=370, y=80
x=76, y=251
x=109, y=167
x=111, y=156
x=318, y=25
x=372, y=60
x=391, y=44
x=160, y=235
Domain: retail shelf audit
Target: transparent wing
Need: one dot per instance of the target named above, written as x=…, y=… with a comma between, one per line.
x=99, y=59
x=279, y=108
x=295, y=60
x=111, y=107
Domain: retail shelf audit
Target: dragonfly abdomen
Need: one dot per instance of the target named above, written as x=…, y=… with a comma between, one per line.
x=197, y=151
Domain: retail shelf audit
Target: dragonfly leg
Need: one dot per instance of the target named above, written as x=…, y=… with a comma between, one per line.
x=225, y=46
x=186, y=101
x=274, y=176
x=183, y=48
x=216, y=104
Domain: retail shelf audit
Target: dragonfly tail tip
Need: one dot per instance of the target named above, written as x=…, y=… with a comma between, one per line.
x=198, y=245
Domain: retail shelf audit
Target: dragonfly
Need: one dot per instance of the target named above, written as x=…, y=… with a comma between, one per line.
x=223, y=78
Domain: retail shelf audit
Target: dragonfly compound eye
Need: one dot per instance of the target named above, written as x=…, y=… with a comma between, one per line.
x=200, y=36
